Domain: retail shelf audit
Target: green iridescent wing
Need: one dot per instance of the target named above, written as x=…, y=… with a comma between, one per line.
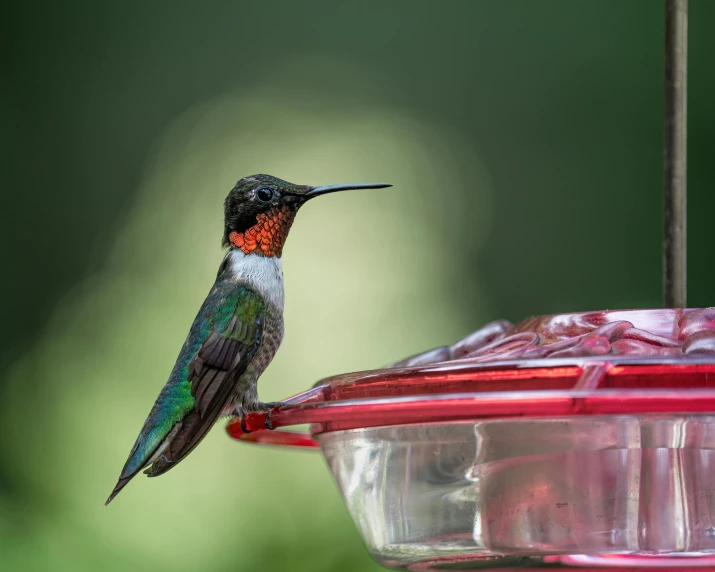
x=224, y=338
x=222, y=358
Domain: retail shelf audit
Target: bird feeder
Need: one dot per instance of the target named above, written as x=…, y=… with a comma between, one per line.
x=582, y=441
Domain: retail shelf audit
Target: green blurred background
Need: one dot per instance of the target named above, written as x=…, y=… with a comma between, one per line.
x=524, y=142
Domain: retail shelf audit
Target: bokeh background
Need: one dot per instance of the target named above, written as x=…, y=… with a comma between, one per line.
x=524, y=140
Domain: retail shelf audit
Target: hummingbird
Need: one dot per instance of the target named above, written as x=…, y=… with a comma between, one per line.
x=237, y=331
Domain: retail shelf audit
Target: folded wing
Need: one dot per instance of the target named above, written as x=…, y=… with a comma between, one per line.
x=228, y=335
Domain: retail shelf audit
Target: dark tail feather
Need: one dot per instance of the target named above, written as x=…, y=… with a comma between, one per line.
x=188, y=434
x=183, y=437
x=127, y=475
x=121, y=483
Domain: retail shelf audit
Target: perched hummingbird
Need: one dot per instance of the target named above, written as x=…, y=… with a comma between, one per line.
x=236, y=332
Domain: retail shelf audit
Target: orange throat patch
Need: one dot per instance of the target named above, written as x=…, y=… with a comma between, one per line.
x=268, y=235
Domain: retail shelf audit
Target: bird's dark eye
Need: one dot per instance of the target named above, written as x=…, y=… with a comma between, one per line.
x=264, y=195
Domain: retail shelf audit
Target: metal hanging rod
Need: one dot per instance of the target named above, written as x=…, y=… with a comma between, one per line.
x=675, y=154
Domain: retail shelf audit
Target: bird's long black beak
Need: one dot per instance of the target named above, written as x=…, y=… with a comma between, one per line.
x=324, y=190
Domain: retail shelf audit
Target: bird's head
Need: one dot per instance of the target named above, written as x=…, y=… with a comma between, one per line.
x=259, y=211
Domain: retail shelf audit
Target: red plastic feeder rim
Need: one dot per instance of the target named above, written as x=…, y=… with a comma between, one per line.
x=597, y=363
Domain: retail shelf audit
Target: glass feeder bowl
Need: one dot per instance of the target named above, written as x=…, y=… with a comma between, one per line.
x=577, y=440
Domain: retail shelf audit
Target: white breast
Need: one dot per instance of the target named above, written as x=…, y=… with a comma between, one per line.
x=262, y=273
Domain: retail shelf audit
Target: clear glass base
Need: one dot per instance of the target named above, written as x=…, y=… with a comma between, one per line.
x=579, y=491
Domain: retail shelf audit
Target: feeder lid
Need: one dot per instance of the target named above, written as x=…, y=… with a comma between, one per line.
x=605, y=362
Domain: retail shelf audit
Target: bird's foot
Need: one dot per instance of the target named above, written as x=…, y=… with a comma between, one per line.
x=260, y=407
x=267, y=408
x=241, y=414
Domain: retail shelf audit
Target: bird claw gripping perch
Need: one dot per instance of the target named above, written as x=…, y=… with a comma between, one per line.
x=267, y=421
x=269, y=411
